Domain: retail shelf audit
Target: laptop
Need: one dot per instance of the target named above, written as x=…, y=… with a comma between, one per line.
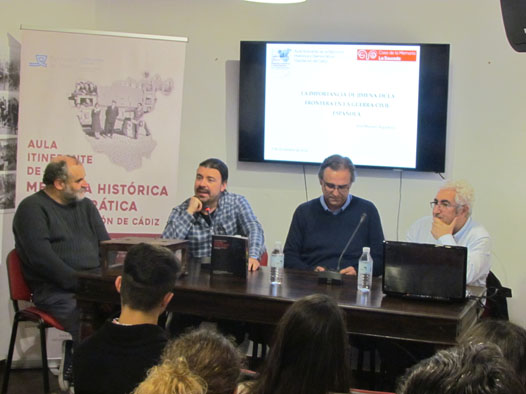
x=425, y=271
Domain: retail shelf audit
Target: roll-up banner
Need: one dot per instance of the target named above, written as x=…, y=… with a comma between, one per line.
x=114, y=101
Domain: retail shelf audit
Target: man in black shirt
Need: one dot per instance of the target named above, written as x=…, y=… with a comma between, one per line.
x=57, y=233
x=116, y=358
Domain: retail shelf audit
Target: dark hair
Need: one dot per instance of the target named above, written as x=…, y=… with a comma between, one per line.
x=309, y=352
x=209, y=355
x=337, y=162
x=509, y=337
x=468, y=369
x=57, y=169
x=149, y=273
x=217, y=165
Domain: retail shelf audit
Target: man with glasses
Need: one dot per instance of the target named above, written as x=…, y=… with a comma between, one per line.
x=451, y=224
x=322, y=227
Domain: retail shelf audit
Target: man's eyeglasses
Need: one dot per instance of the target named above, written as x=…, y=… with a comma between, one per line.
x=441, y=204
x=331, y=187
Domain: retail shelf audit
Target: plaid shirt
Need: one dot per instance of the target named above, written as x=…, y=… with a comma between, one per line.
x=233, y=216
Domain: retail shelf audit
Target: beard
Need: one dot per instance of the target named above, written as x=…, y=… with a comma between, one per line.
x=71, y=195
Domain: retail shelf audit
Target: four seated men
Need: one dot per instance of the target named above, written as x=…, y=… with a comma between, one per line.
x=54, y=244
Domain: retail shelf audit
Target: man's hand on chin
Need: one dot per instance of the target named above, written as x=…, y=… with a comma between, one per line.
x=440, y=228
x=195, y=205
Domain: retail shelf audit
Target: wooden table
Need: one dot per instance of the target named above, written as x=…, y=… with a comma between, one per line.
x=255, y=300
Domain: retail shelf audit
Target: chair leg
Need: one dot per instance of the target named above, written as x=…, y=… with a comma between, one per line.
x=7, y=370
x=45, y=374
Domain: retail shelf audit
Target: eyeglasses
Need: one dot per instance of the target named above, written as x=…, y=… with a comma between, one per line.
x=331, y=187
x=441, y=204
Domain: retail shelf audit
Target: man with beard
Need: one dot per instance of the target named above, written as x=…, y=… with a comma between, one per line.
x=213, y=210
x=57, y=233
x=451, y=224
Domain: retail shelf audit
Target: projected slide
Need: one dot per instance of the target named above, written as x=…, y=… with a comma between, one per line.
x=322, y=99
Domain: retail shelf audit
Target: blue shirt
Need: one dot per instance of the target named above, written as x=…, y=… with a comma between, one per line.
x=337, y=211
x=233, y=216
x=472, y=235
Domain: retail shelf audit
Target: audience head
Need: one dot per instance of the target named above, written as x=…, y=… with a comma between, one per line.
x=172, y=377
x=468, y=369
x=148, y=277
x=310, y=352
x=210, y=356
x=509, y=337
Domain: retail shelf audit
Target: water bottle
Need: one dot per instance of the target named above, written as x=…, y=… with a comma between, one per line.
x=277, y=259
x=365, y=270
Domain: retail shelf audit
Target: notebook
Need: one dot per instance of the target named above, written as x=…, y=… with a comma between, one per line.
x=426, y=271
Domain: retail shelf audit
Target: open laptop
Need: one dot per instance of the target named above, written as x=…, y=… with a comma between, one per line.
x=425, y=271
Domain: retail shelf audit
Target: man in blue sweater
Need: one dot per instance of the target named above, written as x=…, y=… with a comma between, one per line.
x=321, y=228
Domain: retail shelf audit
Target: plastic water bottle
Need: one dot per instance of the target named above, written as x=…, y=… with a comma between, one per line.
x=365, y=270
x=277, y=259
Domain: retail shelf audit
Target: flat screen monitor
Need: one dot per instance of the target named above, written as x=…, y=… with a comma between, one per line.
x=382, y=105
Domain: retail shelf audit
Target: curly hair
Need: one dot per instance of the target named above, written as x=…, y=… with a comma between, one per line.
x=469, y=369
x=464, y=193
x=509, y=337
x=210, y=355
x=172, y=377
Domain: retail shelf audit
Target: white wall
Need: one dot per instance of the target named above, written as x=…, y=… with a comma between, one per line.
x=485, y=125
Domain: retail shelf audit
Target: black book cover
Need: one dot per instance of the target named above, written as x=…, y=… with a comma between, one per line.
x=230, y=254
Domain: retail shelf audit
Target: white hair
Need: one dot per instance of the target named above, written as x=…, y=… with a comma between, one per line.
x=464, y=193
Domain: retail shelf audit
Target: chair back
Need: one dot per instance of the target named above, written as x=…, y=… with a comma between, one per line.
x=496, y=303
x=18, y=288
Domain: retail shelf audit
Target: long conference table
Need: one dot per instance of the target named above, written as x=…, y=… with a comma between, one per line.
x=254, y=300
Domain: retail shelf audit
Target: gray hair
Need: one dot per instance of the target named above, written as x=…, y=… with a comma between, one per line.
x=464, y=193
x=336, y=163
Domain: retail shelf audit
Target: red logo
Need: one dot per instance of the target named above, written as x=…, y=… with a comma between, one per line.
x=386, y=55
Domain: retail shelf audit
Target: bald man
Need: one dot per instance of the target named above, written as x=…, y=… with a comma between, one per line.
x=57, y=233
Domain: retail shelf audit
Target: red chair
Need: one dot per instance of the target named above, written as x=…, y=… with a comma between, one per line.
x=19, y=291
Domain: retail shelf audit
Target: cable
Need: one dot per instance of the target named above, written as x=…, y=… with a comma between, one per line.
x=399, y=206
x=305, y=182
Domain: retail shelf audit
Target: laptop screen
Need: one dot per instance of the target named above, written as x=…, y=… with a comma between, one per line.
x=425, y=270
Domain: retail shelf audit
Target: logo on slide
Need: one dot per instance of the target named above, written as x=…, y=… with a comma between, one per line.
x=367, y=54
x=40, y=61
x=387, y=55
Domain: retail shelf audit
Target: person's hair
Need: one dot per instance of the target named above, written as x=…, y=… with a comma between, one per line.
x=336, y=163
x=509, y=337
x=57, y=169
x=209, y=355
x=468, y=369
x=309, y=351
x=172, y=377
x=149, y=273
x=217, y=165
x=464, y=193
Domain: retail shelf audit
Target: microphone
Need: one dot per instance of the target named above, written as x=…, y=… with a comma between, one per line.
x=331, y=277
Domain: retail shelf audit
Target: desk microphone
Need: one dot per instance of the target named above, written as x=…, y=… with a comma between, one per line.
x=331, y=277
